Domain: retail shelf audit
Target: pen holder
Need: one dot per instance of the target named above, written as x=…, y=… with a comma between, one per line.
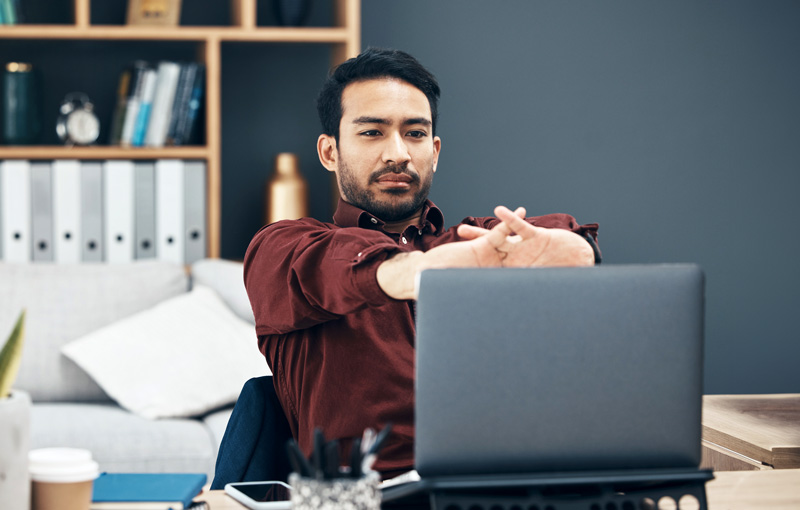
x=338, y=493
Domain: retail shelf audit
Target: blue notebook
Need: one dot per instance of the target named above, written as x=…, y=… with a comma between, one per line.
x=146, y=491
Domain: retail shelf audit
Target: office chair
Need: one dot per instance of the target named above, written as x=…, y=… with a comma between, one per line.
x=254, y=444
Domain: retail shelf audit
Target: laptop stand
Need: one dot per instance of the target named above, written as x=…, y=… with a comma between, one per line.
x=597, y=490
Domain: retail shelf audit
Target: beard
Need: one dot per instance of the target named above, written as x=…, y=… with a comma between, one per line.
x=395, y=205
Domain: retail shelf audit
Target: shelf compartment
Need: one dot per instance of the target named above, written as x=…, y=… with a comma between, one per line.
x=130, y=33
x=101, y=152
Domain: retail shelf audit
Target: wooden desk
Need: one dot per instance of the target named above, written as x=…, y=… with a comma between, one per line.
x=752, y=431
x=731, y=490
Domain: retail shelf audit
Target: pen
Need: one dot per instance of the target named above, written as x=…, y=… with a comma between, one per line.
x=372, y=453
x=319, y=454
x=332, y=460
x=355, y=458
x=380, y=439
x=368, y=439
x=367, y=462
x=296, y=458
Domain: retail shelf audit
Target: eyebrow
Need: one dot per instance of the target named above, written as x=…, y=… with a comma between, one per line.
x=379, y=120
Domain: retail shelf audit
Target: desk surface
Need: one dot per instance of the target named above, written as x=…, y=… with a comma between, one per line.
x=730, y=490
x=760, y=427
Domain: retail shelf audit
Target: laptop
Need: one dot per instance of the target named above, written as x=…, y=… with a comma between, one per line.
x=552, y=370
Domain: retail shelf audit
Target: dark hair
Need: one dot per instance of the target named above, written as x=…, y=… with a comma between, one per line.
x=370, y=64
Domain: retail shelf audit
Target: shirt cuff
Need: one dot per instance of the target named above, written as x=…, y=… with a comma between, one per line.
x=365, y=271
x=598, y=256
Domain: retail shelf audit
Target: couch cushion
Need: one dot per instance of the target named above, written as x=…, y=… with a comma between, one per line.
x=123, y=442
x=226, y=277
x=65, y=302
x=183, y=357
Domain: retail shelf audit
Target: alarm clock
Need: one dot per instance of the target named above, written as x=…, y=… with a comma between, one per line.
x=77, y=123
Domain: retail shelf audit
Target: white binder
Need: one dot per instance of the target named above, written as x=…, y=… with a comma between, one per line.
x=16, y=204
x=41, y=211
x=118, y=208
x=67, y=210
x=144, y=217
x=195, y=210
x=169, y=210
x=92, y=211
x=2, y=256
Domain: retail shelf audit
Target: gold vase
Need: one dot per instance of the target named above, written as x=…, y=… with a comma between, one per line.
x=287, y=190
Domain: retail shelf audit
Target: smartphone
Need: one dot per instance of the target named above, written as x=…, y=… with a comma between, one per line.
x=261, y=495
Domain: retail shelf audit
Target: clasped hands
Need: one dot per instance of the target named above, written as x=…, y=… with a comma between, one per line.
x=516, y=243
x=511, y=243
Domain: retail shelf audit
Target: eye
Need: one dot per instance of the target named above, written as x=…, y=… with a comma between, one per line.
x=417, y=134
x=370, y=133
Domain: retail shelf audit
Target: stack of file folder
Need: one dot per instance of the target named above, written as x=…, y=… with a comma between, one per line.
x=70, y=211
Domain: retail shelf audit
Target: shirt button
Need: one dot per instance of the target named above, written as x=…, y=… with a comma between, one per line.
x=373, y=220
x=359, y=253
x=405, y=241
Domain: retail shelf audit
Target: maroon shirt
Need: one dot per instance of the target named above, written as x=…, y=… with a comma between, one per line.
x=341, y=351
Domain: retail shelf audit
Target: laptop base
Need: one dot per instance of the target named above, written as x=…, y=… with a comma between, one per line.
x=597, y=490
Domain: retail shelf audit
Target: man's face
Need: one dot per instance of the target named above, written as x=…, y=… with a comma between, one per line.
x=386, y=154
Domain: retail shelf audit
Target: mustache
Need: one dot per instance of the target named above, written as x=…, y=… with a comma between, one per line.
x=394, y=169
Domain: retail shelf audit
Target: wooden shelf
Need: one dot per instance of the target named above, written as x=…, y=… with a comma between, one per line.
x=332, y=35
x=101, y=152
x=344, y=37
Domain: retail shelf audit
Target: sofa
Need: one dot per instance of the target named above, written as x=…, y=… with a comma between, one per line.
x=140, y=363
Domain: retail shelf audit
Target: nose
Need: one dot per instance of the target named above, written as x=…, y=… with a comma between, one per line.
x=395, y=150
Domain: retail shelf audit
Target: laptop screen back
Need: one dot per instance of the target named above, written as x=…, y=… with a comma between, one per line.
x=559, y=369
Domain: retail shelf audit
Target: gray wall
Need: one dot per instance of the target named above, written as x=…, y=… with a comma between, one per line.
x=675, y=125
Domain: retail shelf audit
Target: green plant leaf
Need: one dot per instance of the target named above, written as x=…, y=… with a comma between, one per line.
x=11, y=355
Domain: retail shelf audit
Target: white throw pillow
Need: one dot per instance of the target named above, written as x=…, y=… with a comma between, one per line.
x=183, y=357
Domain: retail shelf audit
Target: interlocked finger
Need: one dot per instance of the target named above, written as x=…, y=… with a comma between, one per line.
x=514, y=222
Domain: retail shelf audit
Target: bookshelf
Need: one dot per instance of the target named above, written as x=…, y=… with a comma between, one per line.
x=344, y=38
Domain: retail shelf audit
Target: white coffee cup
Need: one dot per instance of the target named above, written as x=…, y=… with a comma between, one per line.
x=61, y=478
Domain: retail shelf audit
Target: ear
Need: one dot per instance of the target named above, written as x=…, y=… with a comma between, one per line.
x=327, y=152
x=437, y=146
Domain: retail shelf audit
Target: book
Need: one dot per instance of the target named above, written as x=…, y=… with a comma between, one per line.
x=145, y=107
x=119, y=110
x=183, y=94
x=146, y=491
x=9, y=12
x=138, y=71
x=166, y=84
x=187, y=122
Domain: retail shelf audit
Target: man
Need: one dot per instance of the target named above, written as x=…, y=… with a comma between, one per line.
x=334, y=302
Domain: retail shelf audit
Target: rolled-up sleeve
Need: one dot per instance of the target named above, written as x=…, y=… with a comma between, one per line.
x=302, y=273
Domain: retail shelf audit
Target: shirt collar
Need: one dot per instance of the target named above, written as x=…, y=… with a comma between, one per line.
x=348, y=215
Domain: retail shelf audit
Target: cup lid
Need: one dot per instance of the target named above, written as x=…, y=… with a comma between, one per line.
x=62, y=465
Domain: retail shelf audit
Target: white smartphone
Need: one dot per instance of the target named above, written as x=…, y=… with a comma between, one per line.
x=261, y=495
